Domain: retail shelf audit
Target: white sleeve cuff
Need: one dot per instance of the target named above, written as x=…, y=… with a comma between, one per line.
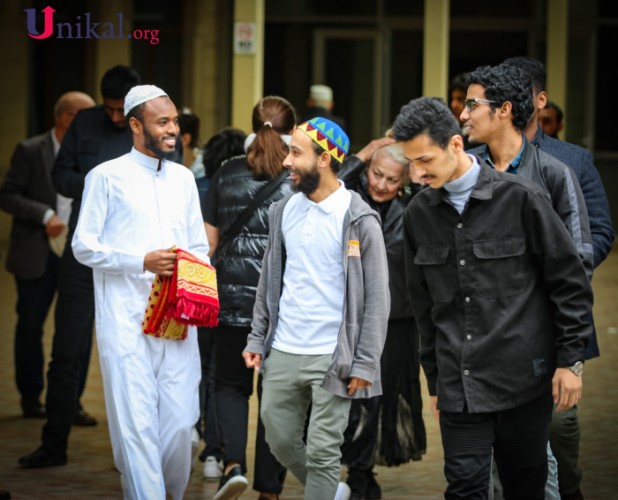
x=49, y=213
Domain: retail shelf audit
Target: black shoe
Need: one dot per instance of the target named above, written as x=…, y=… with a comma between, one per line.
x=84, y=419
x=231, y=485
x=43, y=458
x=5, y=495
x=357, y=481
x=33, y=409
x=373, y=491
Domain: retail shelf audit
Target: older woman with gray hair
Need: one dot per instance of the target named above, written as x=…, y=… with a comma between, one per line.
x=388, y=429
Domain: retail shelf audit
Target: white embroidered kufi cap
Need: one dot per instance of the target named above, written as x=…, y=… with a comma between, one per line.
x=140, y=94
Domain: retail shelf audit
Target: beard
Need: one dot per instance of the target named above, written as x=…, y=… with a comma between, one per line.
x=151, y=144
x=308, y=182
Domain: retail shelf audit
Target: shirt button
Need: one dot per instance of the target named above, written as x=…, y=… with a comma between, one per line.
x=467, y=299
x=462, y=262
x=469, y=337
x=466, y=372
x=459, y=225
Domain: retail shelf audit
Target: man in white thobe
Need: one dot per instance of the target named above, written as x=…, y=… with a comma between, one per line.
x=135, y=209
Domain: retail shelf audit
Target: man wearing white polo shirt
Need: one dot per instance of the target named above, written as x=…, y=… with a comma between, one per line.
x=321, y=311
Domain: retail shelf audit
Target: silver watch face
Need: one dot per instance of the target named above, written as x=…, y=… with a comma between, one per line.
x=577, y=368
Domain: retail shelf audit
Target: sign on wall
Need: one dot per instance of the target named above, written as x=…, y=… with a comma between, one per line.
x=244, y=38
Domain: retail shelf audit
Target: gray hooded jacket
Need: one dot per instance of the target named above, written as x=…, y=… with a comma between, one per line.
x=366, y=302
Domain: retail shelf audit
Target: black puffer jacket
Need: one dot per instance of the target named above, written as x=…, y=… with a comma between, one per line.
x=239, y=261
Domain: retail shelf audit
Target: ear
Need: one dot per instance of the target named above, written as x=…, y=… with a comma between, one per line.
x=324, y=159
x=506, y=109
x=186, y=139
x=66, y=119
x=541, y=100
x=457, y=143
x=135, y=124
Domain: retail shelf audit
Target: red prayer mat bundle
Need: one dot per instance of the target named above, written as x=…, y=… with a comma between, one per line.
x=188, y=297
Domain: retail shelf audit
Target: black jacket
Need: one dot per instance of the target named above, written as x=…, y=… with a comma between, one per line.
x=392, y=229
x=580, y=161
x=239, y=261
x=91, y=139
x=499, y=293
x=565, y=194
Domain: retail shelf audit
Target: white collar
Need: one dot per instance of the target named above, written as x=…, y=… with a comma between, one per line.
x=149, y=162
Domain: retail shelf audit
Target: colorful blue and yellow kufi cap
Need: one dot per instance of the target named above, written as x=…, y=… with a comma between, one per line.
x=328, y=135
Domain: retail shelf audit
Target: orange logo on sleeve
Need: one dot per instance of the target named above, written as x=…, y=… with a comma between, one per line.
x=353, y=248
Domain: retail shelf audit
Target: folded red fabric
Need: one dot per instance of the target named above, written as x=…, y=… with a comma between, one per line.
x=188, y=297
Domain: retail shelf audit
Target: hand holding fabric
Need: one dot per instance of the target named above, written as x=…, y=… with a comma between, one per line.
x=160, y=262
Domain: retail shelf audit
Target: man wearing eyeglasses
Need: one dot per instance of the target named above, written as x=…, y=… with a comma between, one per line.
x=500, y=297
x=497, y=108
x=564, y=429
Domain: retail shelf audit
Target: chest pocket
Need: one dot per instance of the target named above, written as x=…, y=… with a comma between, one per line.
x=502, y=268
x=440, y=279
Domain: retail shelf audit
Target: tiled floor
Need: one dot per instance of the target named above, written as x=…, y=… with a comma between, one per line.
x=91, y=474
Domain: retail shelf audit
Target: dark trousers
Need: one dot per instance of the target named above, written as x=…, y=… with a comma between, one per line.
x=518, y=437
x=34, y=298
x=233, y=387
x=74, y=320
x=378, y=419
x=564, y=441
x=208, y=427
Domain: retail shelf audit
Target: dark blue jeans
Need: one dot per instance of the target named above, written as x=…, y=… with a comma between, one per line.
x=74, y=321
x=34, y=298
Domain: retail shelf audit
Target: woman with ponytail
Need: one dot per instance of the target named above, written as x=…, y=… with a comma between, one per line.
x=236, y=217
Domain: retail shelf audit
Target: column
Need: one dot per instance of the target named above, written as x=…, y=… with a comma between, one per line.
x=436, y=47
x=247, y=60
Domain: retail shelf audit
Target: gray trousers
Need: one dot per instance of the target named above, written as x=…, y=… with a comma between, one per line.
x=290, y=384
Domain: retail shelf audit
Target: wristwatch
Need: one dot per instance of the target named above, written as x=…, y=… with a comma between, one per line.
x=577, y=368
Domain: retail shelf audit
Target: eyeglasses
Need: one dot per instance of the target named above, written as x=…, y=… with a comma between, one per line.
x=472, y=104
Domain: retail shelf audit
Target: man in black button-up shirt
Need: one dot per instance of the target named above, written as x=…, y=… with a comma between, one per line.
x=501, y=296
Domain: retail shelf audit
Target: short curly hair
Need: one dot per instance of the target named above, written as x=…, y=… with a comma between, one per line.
x=426, y=115
x=534, y=68
x=504, y=83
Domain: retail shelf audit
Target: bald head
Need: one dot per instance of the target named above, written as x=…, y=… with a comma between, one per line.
x=67, y=106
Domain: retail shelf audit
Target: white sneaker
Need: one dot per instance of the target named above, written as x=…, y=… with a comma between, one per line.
x=343, y=491
x=213, y=468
